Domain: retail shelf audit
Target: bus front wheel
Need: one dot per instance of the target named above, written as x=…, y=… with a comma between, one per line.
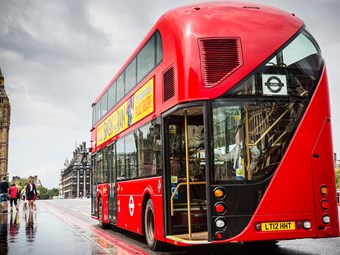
x=149, y=226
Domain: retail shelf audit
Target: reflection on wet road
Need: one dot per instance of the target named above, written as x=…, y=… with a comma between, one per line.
x=14, y=226
x=66, y=227
x=3, y=233
x=88, y=228
x=37, y=232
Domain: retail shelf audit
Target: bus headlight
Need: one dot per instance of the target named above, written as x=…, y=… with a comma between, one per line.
x=326, y=219
x=307, y=224
x=220, y=223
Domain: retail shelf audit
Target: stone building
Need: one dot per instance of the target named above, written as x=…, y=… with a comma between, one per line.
x=5, y=114
x=75, y=178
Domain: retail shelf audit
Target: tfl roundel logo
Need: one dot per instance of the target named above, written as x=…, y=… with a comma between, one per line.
x=274, y=84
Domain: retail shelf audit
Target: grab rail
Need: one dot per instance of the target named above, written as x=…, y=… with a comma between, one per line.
x=175, y=191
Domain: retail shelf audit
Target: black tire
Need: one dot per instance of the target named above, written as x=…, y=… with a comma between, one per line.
x=102, y=225
x=149, y=226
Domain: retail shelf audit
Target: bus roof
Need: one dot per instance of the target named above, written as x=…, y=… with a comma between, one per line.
x=204, y=18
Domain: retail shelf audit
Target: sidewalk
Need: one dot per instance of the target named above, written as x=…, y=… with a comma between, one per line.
x=40, y=232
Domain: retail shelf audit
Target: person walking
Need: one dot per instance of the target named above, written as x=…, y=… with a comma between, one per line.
x=13, y=196
x=3, y=195
x=23, y=196
x=31, y=192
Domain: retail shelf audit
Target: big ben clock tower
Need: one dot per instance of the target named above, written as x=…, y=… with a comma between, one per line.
x=5, y=113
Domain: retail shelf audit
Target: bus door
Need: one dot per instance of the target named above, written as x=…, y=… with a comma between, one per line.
x=111, y=163
x=93, y=184
x=185, y=174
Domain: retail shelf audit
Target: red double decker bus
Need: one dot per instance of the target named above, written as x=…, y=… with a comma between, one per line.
x=217, y=129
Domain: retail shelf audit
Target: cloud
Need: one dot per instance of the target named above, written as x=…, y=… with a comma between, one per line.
x=53, y=33
x=57, y=56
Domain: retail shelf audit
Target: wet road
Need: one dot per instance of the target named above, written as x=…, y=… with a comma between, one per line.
x=40, y=232
x=66, y=227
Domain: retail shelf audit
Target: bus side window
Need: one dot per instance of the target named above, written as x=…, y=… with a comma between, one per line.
x=131, y=156
x=121, y=170
x=149, y=150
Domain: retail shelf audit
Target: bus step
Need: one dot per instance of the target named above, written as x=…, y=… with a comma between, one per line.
x=198, y=237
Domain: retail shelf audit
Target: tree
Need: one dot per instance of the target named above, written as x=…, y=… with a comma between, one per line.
x=53, y=192
x=21, y=184
x=42, y=192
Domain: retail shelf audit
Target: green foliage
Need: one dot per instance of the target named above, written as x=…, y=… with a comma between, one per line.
x=45, y=193
x=54, y=192
x=42, y=192
x=337, y=172
x=21, y=184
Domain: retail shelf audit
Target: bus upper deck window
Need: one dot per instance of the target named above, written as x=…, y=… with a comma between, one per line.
x=298, y=66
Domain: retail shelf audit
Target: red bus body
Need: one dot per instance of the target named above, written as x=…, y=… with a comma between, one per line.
x=292, y=192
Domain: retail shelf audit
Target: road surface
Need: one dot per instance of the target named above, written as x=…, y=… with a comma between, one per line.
x=66, y=227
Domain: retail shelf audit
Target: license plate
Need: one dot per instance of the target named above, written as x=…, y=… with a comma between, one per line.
x=278, y=226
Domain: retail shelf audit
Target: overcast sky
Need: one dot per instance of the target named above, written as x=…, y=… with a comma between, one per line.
x=57, y=56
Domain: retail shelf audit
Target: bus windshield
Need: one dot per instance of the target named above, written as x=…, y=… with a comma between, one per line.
x=253, y=127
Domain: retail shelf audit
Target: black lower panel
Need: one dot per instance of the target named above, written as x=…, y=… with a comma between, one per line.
x=240, y=201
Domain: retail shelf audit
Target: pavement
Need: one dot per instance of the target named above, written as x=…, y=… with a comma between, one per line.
x=39, y=231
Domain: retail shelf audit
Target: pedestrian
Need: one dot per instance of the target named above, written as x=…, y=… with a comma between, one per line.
x=3, y=195
x=13, y=196
x=31, y=193
x=23, y=196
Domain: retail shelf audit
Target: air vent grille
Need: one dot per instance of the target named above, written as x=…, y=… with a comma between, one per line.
x=168, y=84
x=220, y=58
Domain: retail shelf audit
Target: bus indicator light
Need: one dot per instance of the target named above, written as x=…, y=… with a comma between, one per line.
x=219, y=193
x=219, y=235
x=219, y=208
x=324, y=190
x=324, y=204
